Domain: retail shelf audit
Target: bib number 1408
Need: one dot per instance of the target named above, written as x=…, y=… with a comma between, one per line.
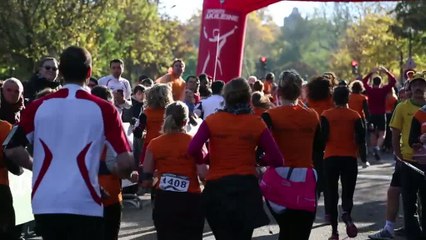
x=174, y=183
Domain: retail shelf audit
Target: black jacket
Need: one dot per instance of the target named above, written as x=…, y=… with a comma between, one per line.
x=36, y=84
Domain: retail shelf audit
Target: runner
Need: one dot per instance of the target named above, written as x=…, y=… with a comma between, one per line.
x=412, y=183
x=151, y=120
x=344, y=134
x=297, y=132
x=66, y=198
x=320, y=99
x=377, y=106
x=174, y=78
x=260, y=103
x=401, y=125
x=110, y=184
x=357, y=101
x=177, y=210
x=231, y=198
x=7, y=213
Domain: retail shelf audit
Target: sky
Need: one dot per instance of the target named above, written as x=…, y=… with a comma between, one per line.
x=184, y=9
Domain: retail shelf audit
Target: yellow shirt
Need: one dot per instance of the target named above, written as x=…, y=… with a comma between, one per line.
x=401, y=119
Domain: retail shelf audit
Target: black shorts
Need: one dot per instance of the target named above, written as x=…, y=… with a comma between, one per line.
x=378, y=121
x=396, y=176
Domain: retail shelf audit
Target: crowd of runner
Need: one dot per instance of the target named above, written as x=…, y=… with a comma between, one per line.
x=208, y=150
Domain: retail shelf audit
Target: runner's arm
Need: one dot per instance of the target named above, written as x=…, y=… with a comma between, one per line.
x=273, y=156
x=148, y=169
x=396, y=138
x=360, y=139
x=325, y=129
x=365, y=109
x=318, y=145
x=19, y=156
x=197, y=143
x=365, y=81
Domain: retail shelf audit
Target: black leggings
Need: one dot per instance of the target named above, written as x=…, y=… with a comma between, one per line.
x=112, y=221
x=294, y=224
x=345, y=168
x=69, y=227
x=178, y=216
x=7, y=214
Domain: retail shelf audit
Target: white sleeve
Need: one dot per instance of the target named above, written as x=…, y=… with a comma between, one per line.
x=103, y=81
x=128, y=93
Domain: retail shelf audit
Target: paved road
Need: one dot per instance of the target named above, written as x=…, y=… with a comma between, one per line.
x=368, y=212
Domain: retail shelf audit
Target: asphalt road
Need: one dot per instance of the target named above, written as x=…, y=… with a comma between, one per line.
x=368, y=212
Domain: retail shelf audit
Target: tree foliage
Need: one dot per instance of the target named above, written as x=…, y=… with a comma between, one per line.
x=129, y=29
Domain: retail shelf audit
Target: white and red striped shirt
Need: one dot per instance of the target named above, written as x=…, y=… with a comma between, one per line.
x=68, y=129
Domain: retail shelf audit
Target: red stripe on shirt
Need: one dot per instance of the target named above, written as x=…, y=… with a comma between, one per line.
x=44, y=167
x=81, y=162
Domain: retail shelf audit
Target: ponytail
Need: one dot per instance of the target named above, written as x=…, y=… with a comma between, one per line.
x=175, y=116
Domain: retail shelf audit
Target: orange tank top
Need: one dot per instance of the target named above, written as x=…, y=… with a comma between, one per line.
x=174, y=158
x=154, y=122
x=321, y=106
x=294, y=128
x=341, y=140
x=232, y=146
x=356, y=103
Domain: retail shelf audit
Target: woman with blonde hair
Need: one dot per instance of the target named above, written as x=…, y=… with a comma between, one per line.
x=231, y=198
x=177, y=210
x=151, y=119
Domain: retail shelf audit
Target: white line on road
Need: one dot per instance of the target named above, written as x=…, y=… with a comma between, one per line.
x=375, y=177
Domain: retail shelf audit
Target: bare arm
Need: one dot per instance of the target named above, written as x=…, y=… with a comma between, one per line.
x=396, y=137
x=148, y=169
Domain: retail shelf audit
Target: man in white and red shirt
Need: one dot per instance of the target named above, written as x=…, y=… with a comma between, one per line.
x=68, y=130
x=119, y=86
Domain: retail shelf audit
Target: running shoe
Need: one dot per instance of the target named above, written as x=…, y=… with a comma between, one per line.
x=365, y=164
x=400, y=232
x=351, y=229
x=376, y=154
x=334, y=236
x=383, y=234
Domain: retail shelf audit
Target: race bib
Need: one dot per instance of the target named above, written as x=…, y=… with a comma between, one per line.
x=174, y=183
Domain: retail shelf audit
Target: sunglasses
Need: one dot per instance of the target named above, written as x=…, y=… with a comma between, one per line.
x=49, y=67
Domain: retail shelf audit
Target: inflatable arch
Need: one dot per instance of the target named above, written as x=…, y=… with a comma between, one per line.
x=222, y=33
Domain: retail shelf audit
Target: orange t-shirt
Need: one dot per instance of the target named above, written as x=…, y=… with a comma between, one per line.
x=293, y=128
x=174, y=159
x=267, y=87
x=177, y=83
x=154, y=122
x=390, y=103
x=232, y=146
x=321, y=106
x=341, y=137
x=111, y=183
x=5, y=129
x=356, y=103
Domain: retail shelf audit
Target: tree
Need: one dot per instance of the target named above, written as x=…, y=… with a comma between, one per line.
x=370, y=42
x=31, y=29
